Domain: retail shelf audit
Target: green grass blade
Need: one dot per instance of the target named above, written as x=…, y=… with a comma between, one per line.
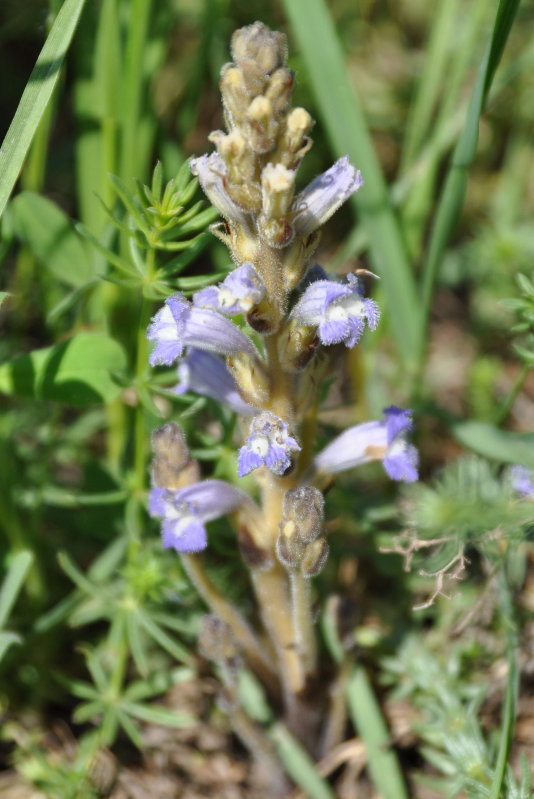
x=423, y=108
x=134, y=82
x=454, y=190
x=344, y=121
x=299, y=765
x=18, y=568
x=369, y=722
x=36, y=97
x=512, y=690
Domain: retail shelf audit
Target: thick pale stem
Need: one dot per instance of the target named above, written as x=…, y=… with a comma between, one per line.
x=255, y=654
x=273, y=598
x=303, y=621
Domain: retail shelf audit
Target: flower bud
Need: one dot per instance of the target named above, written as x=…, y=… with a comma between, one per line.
x=289, y=548
x=234, y=92
x=216, y=642
x=296, y=346
x=277, y=190
x=263, y=127
x=280, y=89
x=314, y=558
x=303, y=508
x=266, y=48
x=297, y=257
x=169, y=441
x=165, y=475
x=251, y=378
x=294, y=143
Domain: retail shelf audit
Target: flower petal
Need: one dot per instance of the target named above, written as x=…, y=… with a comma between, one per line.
x=324, y=195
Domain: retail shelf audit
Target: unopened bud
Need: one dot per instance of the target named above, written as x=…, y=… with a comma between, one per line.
x=251, y=378
x=303, y=507
x=296, y=346
x=170, y=441
x=266, y=48
x=263, y=126
x=280, y=89
x=236, y=98
x=289, y=547
x=314, y=558
x=297, y=258
x=164, y=475
x=294, y=142
x=216, y=642
x=277, y=188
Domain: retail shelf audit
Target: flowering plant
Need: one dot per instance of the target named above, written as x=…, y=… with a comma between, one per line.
x=280, y=323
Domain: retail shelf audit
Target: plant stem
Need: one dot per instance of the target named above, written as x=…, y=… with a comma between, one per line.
x=254, y=652
x=303, y=621
x=506, y=407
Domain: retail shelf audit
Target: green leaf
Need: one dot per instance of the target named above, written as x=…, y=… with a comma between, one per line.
x=165, y=641
x=252, y=698
x=48, y=232
x=500, y=445
x=36, y=97
x=136, y=643
x=299, y=764
x=76, y=372
x=369, y=722
x=157, y=715
x=18, y=568
x=344, y=121
x=3, y=296
x=7, y=639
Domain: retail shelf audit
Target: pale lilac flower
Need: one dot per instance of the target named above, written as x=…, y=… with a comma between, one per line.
x=338, y=310
x=185, y=512
x=211, y=172
x=384, y=440
x=323, y=196
x=179, y=324
x=207, y=375
x=522, y=480
x=269, y=444
x=238, y=293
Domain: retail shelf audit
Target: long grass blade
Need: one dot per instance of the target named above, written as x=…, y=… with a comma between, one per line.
x=36, y=97
x=369, y=722
x=453, y=194
x=343, y=119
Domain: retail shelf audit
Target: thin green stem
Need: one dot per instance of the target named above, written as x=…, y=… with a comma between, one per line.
x=506, y=407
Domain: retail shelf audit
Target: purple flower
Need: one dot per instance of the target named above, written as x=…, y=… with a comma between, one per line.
x=179, y=324
x=384, y=440
x=269, y=444
x=211, y=172
x=338, y=310
x=206, y=374
x=239, y=292
x=320, y=200
x=184, y=512
x=522, y=480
